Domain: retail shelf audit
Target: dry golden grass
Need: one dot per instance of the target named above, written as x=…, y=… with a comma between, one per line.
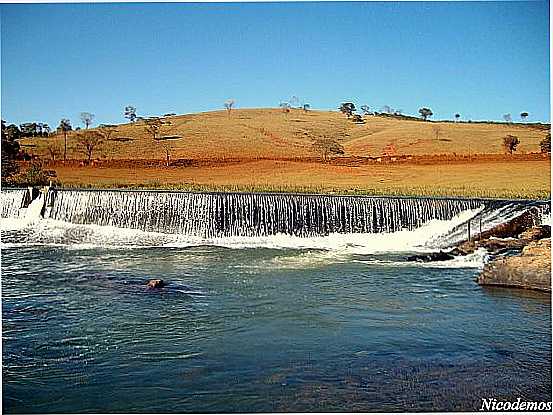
x=270, y=133
x=521, y=179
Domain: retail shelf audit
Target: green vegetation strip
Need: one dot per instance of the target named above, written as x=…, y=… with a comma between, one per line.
x=468, y=192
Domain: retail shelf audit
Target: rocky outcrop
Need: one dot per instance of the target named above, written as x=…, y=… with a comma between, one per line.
x=431, y=257
x=531, y=269
x=497, y=243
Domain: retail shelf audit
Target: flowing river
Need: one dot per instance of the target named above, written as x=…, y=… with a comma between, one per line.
x=273, y=304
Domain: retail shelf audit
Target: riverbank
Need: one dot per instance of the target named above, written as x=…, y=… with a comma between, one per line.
x=516, y=179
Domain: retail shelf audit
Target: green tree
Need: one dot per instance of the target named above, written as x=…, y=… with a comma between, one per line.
x=130, y=113
x=425, y=113
x=326, y=147
x=347, y=108
x=545, y=144
x=64, y=127
x=10, y=150
x=510, y=143
x=365, y=109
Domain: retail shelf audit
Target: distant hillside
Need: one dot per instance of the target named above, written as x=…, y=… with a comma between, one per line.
x=253, y=133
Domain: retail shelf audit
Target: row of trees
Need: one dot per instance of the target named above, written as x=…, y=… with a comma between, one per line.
x=425, y=113
x=511, y=142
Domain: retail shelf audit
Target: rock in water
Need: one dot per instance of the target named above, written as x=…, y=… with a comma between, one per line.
x=434, y=256
x=531, y=269
x=155, y=284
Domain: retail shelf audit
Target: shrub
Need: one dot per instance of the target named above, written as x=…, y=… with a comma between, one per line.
x=545, y=144
x=34, y=175
x=510, y=142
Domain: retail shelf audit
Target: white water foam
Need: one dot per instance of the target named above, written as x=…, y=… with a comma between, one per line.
x=53, y=232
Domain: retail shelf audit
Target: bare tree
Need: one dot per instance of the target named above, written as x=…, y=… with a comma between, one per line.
x=387, y=109
x=285, y=106
x=437, y=130
x=53, y=150
x=294, y=101
x=107, y=130
x=153, y=126
x=130, y=113
x=510, y=142
x=507, y=118
x=88, y=141
x=64, y=127
x=326, y=147
x=365, y=109
x=86, y=118
x=229, y=103
x=167, y=148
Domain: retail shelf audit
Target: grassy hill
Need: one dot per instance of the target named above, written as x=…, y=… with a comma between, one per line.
x=270, y=133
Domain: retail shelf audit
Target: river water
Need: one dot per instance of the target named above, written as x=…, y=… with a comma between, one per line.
x=261, y=324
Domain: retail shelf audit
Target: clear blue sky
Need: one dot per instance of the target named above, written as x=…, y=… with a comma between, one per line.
x=480, y=59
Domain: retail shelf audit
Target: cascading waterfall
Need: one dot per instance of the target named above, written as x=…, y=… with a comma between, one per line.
x=11, y=202
x=241, y=214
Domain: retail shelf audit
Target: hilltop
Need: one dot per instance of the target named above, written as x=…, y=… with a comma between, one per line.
x=271, y=133
x=269, y=150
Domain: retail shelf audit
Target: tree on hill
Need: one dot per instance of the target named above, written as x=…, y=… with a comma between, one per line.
x=294, y=102
x=545, y=144
x=107, y=130
x=285, y=106
x=64, y=127
x=167, y=148
x=10, y=132
x=365, y=109
x=510, y=143
x=86, y=118
x=347, y=108
x=88, y=141
x=523, y=116
x=507, y=118
x=306, y=107
x=28, y=129
x=437, y=130
x=154, y=125
x=130, y=113
x=425, y=113
x=457, y=116
x=229, y=103
x=9, y=149
x=53, y=150
x=326, y=147
x=358, y=119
